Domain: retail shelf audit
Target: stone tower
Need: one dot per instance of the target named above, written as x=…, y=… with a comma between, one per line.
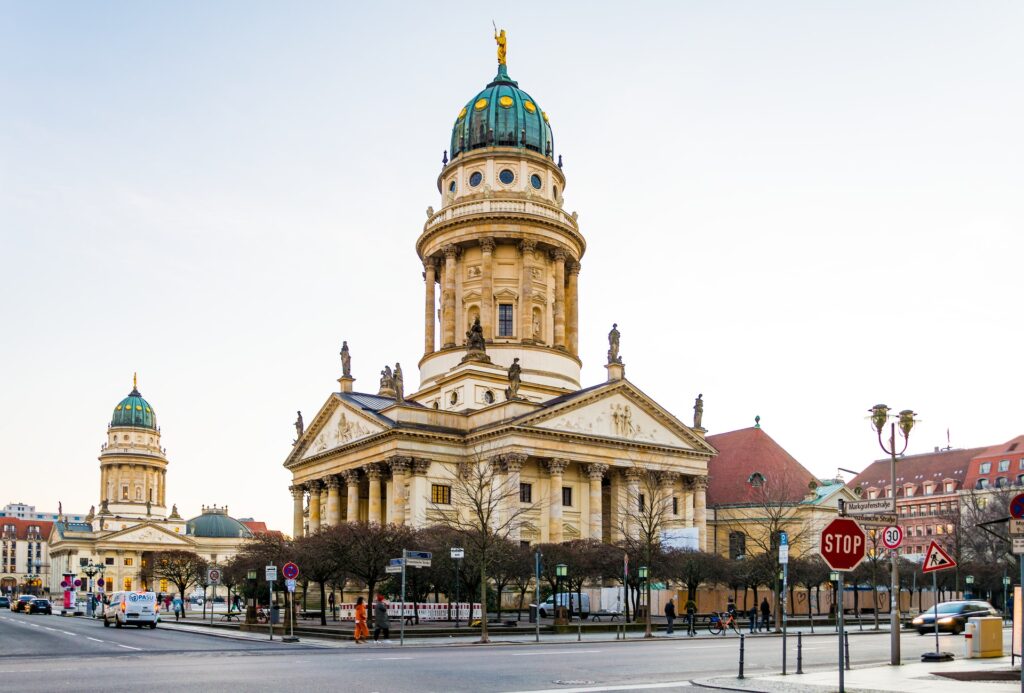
x=133, y=467
x=500, y=250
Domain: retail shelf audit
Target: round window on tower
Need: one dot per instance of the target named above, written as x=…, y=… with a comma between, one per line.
x=489, y=397
x=506, y=176
x=535, y=181
x=451, y=187
x=475, y=178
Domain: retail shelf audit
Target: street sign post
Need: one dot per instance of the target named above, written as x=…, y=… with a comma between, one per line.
x=784, y=562
x=290, y=571
x=936, y=559
x=409, y=559
x=892, y=537
x=843, y=544
x=213, y=579
x=271, y=574
x=457, y=555
x=873, y=506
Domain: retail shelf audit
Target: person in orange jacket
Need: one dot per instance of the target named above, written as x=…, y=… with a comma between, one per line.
x=362, y=632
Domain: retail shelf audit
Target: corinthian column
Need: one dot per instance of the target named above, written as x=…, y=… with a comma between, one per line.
x=487, y=290
x=526, y=248
x=556, y=468
x=374, y=474
x=333, y=501
x=558, y=255
x=351, y=477
x=632, y=508
x=667, y=490
x=298, y=493
x=448, y=297
x=314, y=505
x=700, y=510
x=429, y=271
x=514, y=462
x=400, y=472
x=596, y=473
x=573, y=304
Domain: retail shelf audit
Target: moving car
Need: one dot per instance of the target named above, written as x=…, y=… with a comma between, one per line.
x=5, y=602
x=132, y=609
x=21, y=604
x=40, y=606
x=952, y=616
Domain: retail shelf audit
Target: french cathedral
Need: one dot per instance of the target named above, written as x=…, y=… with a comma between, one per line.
x=499, y=379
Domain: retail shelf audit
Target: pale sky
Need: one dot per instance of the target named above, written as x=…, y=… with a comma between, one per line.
x=798, y=209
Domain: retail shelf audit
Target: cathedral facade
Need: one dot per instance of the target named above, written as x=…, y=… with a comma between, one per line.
x=500, y=372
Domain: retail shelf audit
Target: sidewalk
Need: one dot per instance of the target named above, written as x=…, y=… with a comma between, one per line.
x=911, y=677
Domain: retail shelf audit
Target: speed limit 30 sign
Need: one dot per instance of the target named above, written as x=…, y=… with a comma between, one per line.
x=892, y=537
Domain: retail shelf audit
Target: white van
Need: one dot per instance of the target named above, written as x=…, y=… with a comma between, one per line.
x=566, y=599
x=132, y=609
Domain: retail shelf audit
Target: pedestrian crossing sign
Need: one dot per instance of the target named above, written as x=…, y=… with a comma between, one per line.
x=936, y=559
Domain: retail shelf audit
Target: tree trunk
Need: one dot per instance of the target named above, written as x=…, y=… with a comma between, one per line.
x=323, y=604
x=483, y=604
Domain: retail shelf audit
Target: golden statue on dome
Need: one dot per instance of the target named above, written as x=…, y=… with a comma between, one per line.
x=499, y=37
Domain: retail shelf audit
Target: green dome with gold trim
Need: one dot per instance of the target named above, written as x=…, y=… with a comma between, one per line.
x=134, y=411
x=502, y=115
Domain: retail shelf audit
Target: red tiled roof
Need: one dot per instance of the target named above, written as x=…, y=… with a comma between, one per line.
x=259, y=527
x=21, y=527
x=749, y=450
x=1012, y=450
x=917, y=469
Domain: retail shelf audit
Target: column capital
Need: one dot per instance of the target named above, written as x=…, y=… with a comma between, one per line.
x=430, y=263
x=314, y=486
x=374, y=471
x=450, y=251
x=574, y=267
x=420, y=466
x=298, y=491
x=667, y=478
x=351, y=476
x=333, y=482
x=487, y=244
x=632, y=474
x=559, y=254
x=596, y=471
x=556, y=466
x=514, y=461
x=527, y=245
x=399, y=464
x=699, y=483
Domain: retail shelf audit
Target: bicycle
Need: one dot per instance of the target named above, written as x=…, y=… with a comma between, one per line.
x=720, y=622
x=261, y=615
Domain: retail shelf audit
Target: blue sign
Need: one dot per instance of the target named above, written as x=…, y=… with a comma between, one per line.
x=426, y=555
x=395, y=561
x=783, y=539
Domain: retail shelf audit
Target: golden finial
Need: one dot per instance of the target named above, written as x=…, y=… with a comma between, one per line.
x=499, y=37
x=135, y=381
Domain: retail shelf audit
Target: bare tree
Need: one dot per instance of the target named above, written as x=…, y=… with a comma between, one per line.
x=322, y=556
x=484, y=509
x=181, y=567
x=369, y=546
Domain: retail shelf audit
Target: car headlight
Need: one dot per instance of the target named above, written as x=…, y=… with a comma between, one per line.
x=918, y=621
x=949, y=620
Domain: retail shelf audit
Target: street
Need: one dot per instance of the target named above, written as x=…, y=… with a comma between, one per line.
x=50, y=653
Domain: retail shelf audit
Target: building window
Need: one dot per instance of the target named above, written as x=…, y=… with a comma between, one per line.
x=985, y=468
x=1002, y=482
x=506, y=176
x=128, y=561
x=127, y=584
x=535, y=181
x=567, y=496
x=1004, y=465
x=641, y=502
x=675, y=505
x=525, y=493
x=83, y=561
x=440, y=495
x=737, y=544
x=505, y=320
x=982, y=483
x=108, y=561
x=124, y=493
x=475, y=178
x=949, y=487
x=163, y=584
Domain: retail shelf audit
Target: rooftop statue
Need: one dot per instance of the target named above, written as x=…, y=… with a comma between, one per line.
x=613, y=345
x=698, y=410
x=399, y=383
x=514, y=379
x=502, y=42
x=299, y=426
x=475, y=336
x=346, y=361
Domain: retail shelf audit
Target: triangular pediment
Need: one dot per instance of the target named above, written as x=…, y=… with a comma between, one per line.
x=149, y=533
x=338, y=423
x=618, y=411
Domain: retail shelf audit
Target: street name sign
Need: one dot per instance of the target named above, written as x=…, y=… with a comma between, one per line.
x=843, y=544
x=876, y=520
x=1016, y=527
x=417, y=562
x=271, y=572
x=872, y=506
x=392, y=568
x=458, y=552
x=936, y=559
x=892, y=537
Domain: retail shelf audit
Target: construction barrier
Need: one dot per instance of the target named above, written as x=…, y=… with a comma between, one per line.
x=425, y=611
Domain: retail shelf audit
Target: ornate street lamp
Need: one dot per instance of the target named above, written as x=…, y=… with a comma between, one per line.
x=905, y=419
x=1006, y=586
x=250, y=610
x=90, y=572
x=642, y=574
x=970, y=587
x=561, y=571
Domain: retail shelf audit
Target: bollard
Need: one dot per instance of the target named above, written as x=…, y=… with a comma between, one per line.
x=846, y=648
x=741, y=657
x=799, y=652
x=579, y=631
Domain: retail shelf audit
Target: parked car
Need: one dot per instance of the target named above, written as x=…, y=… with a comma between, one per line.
x=952, y=616
x=133, y=609
x=5, y=602
x=568, y=600
x=22, y=603
x=40, y=606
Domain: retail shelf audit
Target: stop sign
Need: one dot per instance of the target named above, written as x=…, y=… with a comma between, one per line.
x=843, y=544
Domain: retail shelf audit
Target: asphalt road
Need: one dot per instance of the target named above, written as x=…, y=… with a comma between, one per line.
x=49, y=653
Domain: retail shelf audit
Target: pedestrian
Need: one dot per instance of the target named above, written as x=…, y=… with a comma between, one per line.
x=670, y=616
x=380, y=620
x=361, y=632
x=330, y=603
x=752, y=617
x=691, y=615
x=237, y=602
x=766, y=613
x=177, y=607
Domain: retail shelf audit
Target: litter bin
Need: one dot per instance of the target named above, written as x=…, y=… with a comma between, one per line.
x=275, y=615
x=533, y=613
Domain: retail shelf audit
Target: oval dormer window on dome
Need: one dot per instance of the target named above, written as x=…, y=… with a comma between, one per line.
x=452, y=187
x=536, y=182
x=475, y=179
x=507, y=176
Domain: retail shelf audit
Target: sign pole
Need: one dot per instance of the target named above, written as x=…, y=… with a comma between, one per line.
x=401, y=611
x=536, y=596
x=270, y=607
x=935, y=597
x=1022, y=628
x=785, y=581
x=842, y=629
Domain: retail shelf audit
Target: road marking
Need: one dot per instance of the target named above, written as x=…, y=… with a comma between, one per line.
x=67, y=632
x=48, y=628
x=624, y=687
x=93, y=639
x=556, y=652
x=127, y=647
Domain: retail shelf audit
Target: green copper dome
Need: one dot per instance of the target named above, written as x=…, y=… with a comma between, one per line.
x=502, y=115
x=134, y=411
x=216, y=523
